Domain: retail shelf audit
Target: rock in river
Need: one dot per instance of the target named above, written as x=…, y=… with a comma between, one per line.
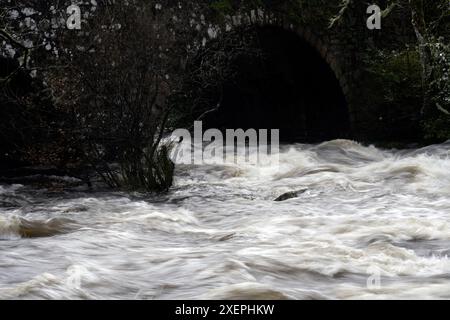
x=290, y=195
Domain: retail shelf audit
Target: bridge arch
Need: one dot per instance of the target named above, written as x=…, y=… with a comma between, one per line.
x=326, y=41
x=328, y=53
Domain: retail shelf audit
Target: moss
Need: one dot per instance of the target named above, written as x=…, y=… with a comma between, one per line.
x=222, y=6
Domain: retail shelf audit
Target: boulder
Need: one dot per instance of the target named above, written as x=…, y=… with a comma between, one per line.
x=290, y=195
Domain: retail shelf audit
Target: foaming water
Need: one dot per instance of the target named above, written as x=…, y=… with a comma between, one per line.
x=219, y=234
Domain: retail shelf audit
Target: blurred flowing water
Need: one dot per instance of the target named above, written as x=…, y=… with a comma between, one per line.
x=219, y=234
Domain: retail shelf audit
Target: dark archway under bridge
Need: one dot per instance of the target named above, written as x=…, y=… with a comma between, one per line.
x=292, y=88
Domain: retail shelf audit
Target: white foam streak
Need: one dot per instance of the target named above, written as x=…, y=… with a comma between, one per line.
x=220, y=235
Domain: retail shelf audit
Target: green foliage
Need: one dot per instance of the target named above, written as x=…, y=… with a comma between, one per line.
x=145, y=170
x=397, y=75
x=396, y=86
x=222, y=6
x=394, y=94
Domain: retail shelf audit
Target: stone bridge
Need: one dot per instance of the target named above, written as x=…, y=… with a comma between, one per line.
x=339, y=52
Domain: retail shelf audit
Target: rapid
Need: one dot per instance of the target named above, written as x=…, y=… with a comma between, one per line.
x=368, y=216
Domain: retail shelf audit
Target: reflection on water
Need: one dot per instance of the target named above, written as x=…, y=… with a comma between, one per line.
x=219, y=234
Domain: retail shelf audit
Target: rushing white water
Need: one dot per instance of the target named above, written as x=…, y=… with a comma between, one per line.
x=219, y=235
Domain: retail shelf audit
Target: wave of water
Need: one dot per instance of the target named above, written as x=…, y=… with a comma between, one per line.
x=219, y=235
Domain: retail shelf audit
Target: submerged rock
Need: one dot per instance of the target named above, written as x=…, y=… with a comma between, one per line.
x=290, y=195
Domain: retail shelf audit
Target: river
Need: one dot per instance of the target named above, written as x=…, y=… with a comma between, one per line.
x=372, y=224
